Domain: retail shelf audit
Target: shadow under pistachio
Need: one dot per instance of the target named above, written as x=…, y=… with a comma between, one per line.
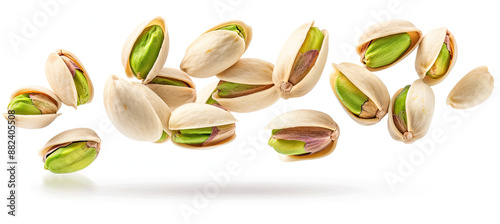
x=69, y=184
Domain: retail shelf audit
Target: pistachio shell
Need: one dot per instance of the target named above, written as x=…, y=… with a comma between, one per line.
x=367, y=83
x=73, y=135
x=199, y=115
x=419, y=112
x=135, y=110
x=428, y=51
x=215, y=51
x=174, y=96
x=129, y=45
x=388, y=28
x=286, y=59
x=252, y=72
x=305, y=118
x=35, y=121
x=473, y=89
x=60, y=78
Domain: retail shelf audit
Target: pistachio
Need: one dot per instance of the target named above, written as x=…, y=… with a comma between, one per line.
x=301, y=61
x=173, y=86
x=217, y=49
x=71, y=150
x=146, y=50
x=384, y=44
x=399, y=114
x=440, y=67
x=231, y=89
x=68, y=78
x=163, y=138
x=355, y=100
x=207, y=136
x=303, y=134
x=168, y=81
x=386, y=50
x=473, y=89
x=23, y=105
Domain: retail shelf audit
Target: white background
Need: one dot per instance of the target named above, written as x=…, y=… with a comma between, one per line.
x=457, y=180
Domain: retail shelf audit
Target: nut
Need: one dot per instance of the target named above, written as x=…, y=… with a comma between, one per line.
x=384, y=44
x=217, y=49
x=68, y=78
x=174, y=87
x=436, y=56
x=34, y=106
x=362, y=94
x=146, y=50
x=71, y=150
x=303, y=134
x=472, y=90
x=301, y=61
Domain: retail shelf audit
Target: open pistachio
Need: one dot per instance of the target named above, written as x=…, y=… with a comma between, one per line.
x=68, y=78
x=301, y=61
x=201, y=125
x=362, y=94
x=246, y=86
x=384, y=44
x=146, y=49
x=303, y=134
x=411, y=111
x=136, y=111
x=217, y=49
x=436, y=56
x=34, y=107
x=174, y=87
x=71, y=150
x=472, y=90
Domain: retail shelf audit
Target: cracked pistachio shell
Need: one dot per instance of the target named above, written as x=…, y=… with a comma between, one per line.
x=69, y=136
x=215, y=50
x=419, y=112
x=428, y=52
x=388, y=28
x=252, y=72
x=305, y=118
x=472, y=90
x=35, y=121
x=129, y=46
x=61, y=80
x=368, y=83
x=174, y=96
x=135, y=110
x=199, y=115
x=286, y=60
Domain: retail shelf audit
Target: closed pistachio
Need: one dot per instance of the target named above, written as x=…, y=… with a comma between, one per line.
x=71, y=150
x=472, y=90
x=303, y=134
x=384, y=44
x=219, y=48
x=301, y=61
x=174, y=87
x=146, y=49
x=436, y=56
x=34, y=107
x=68, y=78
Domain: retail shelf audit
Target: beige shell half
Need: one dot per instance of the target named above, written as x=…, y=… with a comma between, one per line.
x=199, y=115
x=305, y=118
x=366, y=82
x=286, y=59
x=61, y=80
x=428, y=51
x=472, y=90
x=174, y=96
x=253, y=72
x=73, y=135
x=419, y=112
x=135, y=110
x=388, y=28
x=130, y=42
x=35, y=121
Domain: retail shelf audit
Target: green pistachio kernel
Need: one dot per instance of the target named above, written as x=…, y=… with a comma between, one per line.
x=70, y=158
x=211, y=100
x=168, y=81
x=23, y=105
x=350, y=96
x=313, y=41
x=386, y=50
x=82, y=87
x=232, y=89
x=163, y=137
x=236, y=28
x=146, y=50
x=441, y=65
x=400, y=118
x=287, y=147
